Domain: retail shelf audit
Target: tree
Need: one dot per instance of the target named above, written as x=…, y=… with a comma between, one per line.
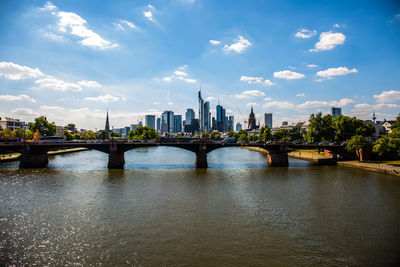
x=281, y=135
x=28, y=135
x=45, y=128
x=68, y=135
x=356, y=143
x=143, y=133
x=215, y=135
x=89, y=135
x=242, y=137
x=346, y=127
x=265, y=134
x=19, y=132
x=6, y=133
x=76, y=136
x=104, y=135
x=320, y=128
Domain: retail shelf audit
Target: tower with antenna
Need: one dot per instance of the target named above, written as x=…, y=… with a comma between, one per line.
x=107, y=128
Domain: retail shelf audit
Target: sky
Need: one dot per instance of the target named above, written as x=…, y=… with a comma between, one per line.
x=72, y=60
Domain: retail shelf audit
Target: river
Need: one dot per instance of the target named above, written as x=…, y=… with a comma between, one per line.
x=162, y=211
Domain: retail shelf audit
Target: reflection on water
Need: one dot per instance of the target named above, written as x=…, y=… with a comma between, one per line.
x=161, y=210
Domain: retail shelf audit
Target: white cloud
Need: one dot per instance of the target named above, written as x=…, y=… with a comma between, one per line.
x=16, y=72
x=17, y=98
x=300, y=95
x=90, y=84
x=336, y=26
x=57, y=85
x=180, y=74
x=170, y=103
x=386, y=106
x=210, y=98
x=24, y=112
x=328, y=41
x=129, y=24
x=167, y=79
x=388, y=96
x=54, y=36
x=304, y=33
x=251, y=104
x=148, y=15
x=253, y=80
x=239, y=46
x=267, y=98
x=103, y=98
x=288, y=75
x=340, y=71
x=188, y=80
x=312, y=66
x=214, y=42
x=246, y=94
x=156, y=103
x=48, y=6
x=316, y=104
x=279, y=104
x=73, y=24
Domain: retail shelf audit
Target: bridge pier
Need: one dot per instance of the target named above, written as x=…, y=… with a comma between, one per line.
x=278, y=159
x=116, y=157
x=201, y=158
x=33, y=159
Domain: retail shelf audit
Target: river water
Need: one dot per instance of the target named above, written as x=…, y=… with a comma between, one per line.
x=161, y=210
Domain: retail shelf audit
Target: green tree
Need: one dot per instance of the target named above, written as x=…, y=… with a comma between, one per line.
x=265, y=134
x=215, y=135
x=76, y=136
x=45, y=128
x=242, y=137
x=346, y=127
x=356, y=143
x=143, y=133
x=20, y=132
x=28, y=135
x=6, y=133
x=68, y=135
x=90, y=135
x=281, y=135
x=104, y=135
x=320, y=128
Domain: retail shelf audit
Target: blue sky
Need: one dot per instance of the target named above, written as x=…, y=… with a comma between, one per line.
x=71, y=60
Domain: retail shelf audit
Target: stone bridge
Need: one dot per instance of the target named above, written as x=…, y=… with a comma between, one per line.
x=34, y=154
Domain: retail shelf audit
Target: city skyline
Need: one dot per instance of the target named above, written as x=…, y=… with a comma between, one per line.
x=70, y=63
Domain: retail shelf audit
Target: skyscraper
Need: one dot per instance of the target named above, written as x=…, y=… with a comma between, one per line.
x=220, y=119
x=167, y=122
x=150, y=121
x=204, y=114
x=201, y=112
x=238, y=127
x=189, y=116
x=335, y=112
x=158, y=124
x=107, y=128
x=177, y=123
x=268, y=120
x=230, y=123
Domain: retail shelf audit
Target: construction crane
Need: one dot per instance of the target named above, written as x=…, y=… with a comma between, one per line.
x=243, y=118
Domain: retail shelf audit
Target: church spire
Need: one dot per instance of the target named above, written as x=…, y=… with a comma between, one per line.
x=107, y=123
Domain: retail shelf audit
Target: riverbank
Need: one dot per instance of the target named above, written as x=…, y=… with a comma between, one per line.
x=15, y=156
x=369, y=166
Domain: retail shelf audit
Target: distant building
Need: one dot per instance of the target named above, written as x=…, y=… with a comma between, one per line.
x=388, y=125
x=252, y=120
x=238, y=127
x=167, y=122
x=204, y=114
x=192, y=127
x=126, y=130
x=107, y=127
x=285, y=123
x=150, y=121
x=158, y=124
x=268, y=120
x=220, y=119
x=189, y=116
x=230, y=123
x=133, y=127
x=12, y=124
x=335, y=112
x=177, y=123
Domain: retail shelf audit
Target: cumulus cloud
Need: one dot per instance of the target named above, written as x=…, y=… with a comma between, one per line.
x=57, y=85
x=247, y=94
x=388, y=96
x=167, y=79
x=180, y=74
x=48, y=6
x=312, y=66
x=16, y=72
x=89, y=84
x=239, y=46
x=279, y=104
x=304, y=33
x=214, y=42
x=316, y=104
x=17, y=98
x=288, y=75
x=210, y=98
x=251, y=104
x=24, y=112
x=103, y=98
x=148, y=15
x=300, y=95
x=331, y=72
x=328, y=41
x=254, y=80
x=73, y=24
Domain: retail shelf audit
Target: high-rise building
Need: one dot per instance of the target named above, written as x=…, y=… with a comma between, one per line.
x=252, y=120
x=220, y=118
x=158, y=124
x=107, y=128
x=189, y=116
x=150, y=121
x=204, y=115
x=167, y=122
x=238, y=127
x=177, y=123
x=230, y=123
x=201, y=112
x=335, y=112
x=268, y=120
